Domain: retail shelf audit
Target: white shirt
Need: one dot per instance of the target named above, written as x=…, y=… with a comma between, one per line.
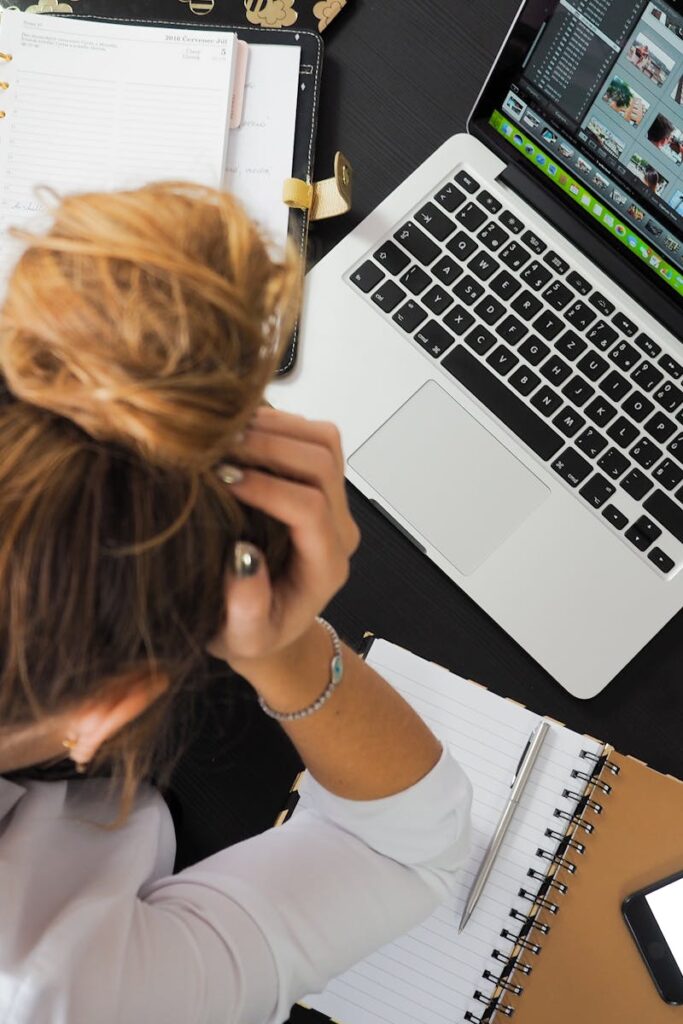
x=94, y=927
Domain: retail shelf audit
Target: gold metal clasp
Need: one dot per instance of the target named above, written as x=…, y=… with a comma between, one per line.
x=328, y=198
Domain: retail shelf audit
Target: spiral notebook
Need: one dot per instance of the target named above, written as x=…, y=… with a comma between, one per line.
x=546, y=941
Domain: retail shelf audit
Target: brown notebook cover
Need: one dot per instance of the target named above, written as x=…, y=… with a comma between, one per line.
x=589, y=968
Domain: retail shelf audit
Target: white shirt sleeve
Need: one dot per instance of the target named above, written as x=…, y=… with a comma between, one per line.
x=240, y=936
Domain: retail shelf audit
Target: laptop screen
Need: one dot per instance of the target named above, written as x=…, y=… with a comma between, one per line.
x=590, y=93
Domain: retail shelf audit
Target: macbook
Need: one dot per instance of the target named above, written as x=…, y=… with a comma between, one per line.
x=500, y=340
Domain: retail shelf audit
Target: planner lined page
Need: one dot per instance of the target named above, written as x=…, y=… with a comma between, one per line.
x=429, y=976
x=93, y=106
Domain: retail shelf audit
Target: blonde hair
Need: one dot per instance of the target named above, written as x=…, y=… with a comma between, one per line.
x=136, y=339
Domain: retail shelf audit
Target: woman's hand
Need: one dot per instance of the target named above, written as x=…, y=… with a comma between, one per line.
x=304, y=489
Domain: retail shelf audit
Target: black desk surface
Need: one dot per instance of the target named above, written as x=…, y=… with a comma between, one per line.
x=399, y=78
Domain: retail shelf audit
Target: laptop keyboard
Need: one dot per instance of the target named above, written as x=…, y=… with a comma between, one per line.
x=566, y=371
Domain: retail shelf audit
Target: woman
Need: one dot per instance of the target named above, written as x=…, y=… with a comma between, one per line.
x=151, y=508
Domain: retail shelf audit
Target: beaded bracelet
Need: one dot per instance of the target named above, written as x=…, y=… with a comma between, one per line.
x=336, y=676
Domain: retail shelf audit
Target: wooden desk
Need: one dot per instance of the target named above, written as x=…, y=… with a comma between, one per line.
x=399, y=78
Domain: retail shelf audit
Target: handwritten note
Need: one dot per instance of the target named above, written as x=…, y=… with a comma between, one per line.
x=99, y=106
x=260, y=151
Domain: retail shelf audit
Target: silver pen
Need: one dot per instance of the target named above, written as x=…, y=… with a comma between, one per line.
x=519, y=782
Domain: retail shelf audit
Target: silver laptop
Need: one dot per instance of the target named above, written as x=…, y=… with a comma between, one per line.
x=500, y=340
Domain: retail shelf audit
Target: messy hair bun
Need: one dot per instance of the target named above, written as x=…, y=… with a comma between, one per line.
x=137, y=337
x=152, y=318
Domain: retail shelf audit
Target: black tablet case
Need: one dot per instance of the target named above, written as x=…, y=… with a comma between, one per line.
x=309, y=84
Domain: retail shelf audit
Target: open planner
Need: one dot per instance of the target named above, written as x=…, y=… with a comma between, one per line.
x=546, y=942
x=90, y=104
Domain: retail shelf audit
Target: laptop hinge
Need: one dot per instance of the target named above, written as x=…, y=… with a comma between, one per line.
x=593, y=245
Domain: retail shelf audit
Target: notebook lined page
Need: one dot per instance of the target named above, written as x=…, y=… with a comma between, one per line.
x=430, y=975
x=93, y=106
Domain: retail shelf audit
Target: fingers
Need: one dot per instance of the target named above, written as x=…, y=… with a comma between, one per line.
x=306, y=452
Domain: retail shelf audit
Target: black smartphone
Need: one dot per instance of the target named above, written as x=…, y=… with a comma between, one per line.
x=655, y=918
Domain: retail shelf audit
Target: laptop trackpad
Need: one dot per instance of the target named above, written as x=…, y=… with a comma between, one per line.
x=462, y=490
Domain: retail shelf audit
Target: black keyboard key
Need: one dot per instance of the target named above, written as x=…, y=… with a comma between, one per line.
x=437, y=299
x=524, y=380
x=505, y=285
x=447, y=270
x=622, y=431
x=668, y=474
x=615, y=517
x=555, y=370
x=555, y=261
x=391, y=258
x=597, y=490
x=667, y=513
x=535, y=275
x=643, y=533
x=668, y=396
x=647, y=376
x=645, y=453
x=527, y=305
x=569, y=421
x=600, y=411
x=469, y=290
x=483, y=265
x=580, y=315
x=415, y=279
x=647, y=345
x=480, y=340
x=467, y=182
x=434, y=338
x=533, y=350
x=661, y=559
x=511, y=222
x=502, y=402
x=602, y=335
x=571, y=466
x=458, y=320
x=534, y=242
x=450, y=197
x=367, y=276
x=679, y=416
x=676, y=447
x=493, y=236
x=503, y=360
x=624, y=325
x=637, y=406
x=417, y=243
x=557, y=295
x=409, y=316
x=591, y=442
x=660, y=427
x=388, y=296
x=471, y=216
x=489, y=202
x=671, y=367
x=490, y=310
x=578, y=283
x=570, y=345
x=615, y=386
x=593, y=366
x=613, y=463
x=511, y=329
x=546, y=400
x=578, y=391
x=514, y=256
x=636, y=484
x=462, y=246
x=624, y=356
x=602, y=304
x=433, y=220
